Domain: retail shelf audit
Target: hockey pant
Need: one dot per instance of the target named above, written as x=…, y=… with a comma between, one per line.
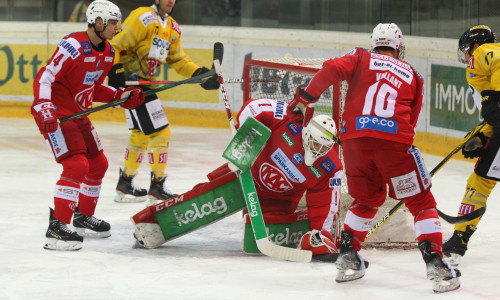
x=156, y=145
x=373, y=164
x=77, y=147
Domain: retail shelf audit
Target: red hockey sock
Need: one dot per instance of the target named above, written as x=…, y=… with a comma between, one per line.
x=89, y=194
x=428, y=227
x=65, y=199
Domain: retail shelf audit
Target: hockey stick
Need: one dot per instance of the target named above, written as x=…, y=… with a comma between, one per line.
x=233, y=80
x=264, y=245
x=450, y=219
x=218, y=54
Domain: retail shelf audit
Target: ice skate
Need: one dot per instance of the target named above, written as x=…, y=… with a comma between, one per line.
x=60, y=237
x=158, y=191
x=127, y=192
x=444, y=277
x=90, y=226
x=455, y=247
x=350, y=264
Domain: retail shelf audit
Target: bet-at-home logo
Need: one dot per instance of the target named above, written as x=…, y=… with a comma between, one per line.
x=219, y=206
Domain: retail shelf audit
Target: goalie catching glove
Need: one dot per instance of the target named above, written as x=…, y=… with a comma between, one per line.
x=211, y=83
x=319, y=242
x=301, y=108
x=135, y=97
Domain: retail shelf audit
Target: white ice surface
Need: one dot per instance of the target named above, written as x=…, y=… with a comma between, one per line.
x=208, y=263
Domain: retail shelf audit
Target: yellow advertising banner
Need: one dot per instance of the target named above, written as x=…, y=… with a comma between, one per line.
x=19, y=65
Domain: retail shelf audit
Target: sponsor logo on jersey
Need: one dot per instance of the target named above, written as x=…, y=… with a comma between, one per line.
x=472, y=75
x=405, y=185
x=278, y=114
x=422, y=170
x=176, y=27
x=87, y=48
x=335, y=182
x=389, y=64
x=294, y=129
x=218, y=206
x=148, y=18
x=111, y=50
x=297, y=158
x=163, y=158
x=376, y=123
x=470, y=65
x=109, y=59
x=287, y=166
x=287, y=139
x=57, y=142
x=91, y=77
x=89, y=59
x=70, y=49
x=327, y=165
x=84, y=98
x=316, y=172
x=274, y=179
x=342, y=130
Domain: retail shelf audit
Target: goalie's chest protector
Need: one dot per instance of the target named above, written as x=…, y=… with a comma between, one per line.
x=280, y=171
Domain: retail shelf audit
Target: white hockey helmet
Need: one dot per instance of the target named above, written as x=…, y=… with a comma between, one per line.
x=389, y=35
x=318, y=138
x=106, y=10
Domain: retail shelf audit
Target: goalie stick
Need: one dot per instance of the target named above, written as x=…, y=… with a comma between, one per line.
x=217, y=55
x=264, y=245
x=450, y=219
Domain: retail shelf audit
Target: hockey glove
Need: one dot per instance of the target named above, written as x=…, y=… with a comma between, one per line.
x=135, y=97
x=319, y=242
x=210, y=83
x=116, y=76
x=490, y=107
x=474, y=147
x=45, y=116
x=301, y=108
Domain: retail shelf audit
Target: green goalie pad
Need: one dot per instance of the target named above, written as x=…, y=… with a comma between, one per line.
x=247, y=143
x=283, y=230
x=204, y=204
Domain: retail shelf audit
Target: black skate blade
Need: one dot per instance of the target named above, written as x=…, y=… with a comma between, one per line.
x=328, y=257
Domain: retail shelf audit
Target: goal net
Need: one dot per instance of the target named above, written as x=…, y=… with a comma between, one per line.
x=278, y=78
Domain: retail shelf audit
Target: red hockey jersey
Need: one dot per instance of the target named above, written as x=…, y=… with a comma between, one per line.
x=279, y=171
x=75, y=73
x=384, y=98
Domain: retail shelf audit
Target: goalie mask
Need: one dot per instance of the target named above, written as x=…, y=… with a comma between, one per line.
x=318, y=138
x=479, y=34
x=389, y=35
x=105, y=10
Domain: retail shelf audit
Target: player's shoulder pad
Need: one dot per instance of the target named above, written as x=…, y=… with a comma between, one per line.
x=146, y=15
x=417, y=73
x=71, y=45
x=175, y=25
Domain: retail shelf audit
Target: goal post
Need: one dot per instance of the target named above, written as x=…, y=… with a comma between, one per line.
x=278, y=78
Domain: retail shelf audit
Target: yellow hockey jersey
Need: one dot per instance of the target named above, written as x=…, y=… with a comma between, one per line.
x=483, y=73
x=146, y=41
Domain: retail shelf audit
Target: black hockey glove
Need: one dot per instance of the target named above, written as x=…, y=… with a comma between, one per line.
x=475, y=146
x=116, y=76
x=490, y=110
x=209, y=83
